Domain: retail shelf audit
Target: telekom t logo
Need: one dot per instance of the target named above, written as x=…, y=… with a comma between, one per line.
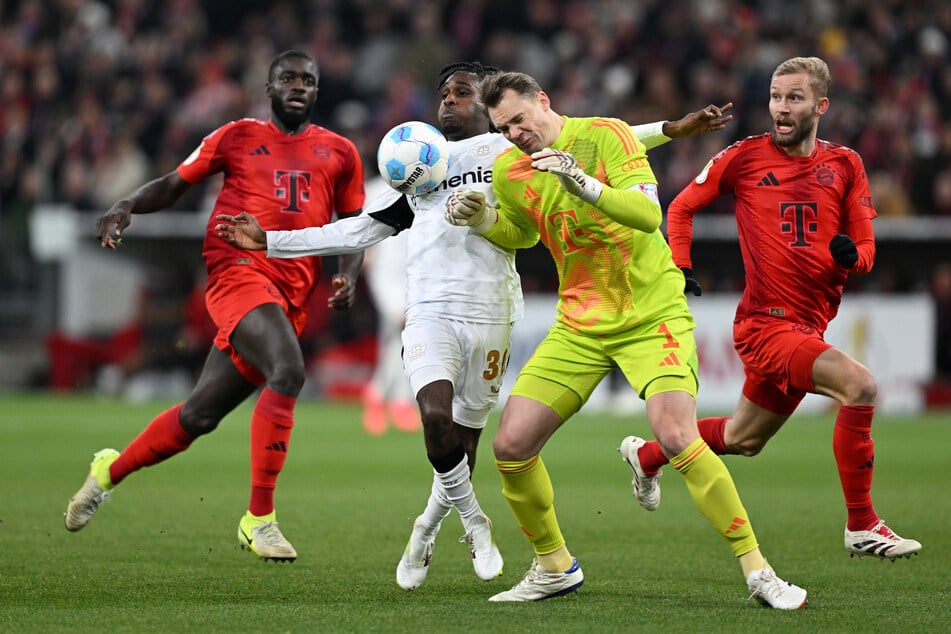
x=292, y=188
x=799, y=219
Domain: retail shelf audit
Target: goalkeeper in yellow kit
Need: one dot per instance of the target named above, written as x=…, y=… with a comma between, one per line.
x=585, y=188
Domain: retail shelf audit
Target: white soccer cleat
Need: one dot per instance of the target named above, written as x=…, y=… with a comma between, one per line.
x=646, y=488
x=262, y=536
x=538, y=584
x=486, y=558
x=95, y=490
x=881, y=542
x=414, y=564
x=773, y=592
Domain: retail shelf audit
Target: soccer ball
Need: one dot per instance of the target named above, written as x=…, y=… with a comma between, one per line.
x=413, y=158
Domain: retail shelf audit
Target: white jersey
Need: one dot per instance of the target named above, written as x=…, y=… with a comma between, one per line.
x=451, y=271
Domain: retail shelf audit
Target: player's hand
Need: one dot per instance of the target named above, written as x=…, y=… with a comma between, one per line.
x=843, y=250
x=118, y=218
x=709, y=119
x=571, y=176
x=242, y=231
x=691, y=285
x=467, y=208
x=345, y=292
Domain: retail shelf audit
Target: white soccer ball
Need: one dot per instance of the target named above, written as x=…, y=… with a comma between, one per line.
x=413, y=157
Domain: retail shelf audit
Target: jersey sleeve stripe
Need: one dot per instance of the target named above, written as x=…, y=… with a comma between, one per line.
x=622, y=132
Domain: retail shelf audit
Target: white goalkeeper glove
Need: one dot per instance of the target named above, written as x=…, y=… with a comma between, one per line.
x=565, y=167
x=466, y=207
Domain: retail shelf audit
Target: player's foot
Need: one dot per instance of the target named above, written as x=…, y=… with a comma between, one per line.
x=773, y=592
x=374, y=412
x=646, y=488
x=881, y=542
x=538, y=584
x=405, y=416
x=261, y=536
x=414, y=564
x=486, y=558
x=95, y=490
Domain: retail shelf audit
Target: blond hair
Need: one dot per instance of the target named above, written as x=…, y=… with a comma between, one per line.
x=816, y=68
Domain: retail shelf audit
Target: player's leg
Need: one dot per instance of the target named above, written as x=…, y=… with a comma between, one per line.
x=266, y=340
x=836, y=374
x=220, y=388
x=540, y=402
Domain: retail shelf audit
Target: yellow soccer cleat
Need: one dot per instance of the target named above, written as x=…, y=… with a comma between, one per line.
x=261, y=536
x=95, y=490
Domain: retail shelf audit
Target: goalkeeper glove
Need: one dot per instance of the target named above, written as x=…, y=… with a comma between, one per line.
x=565, y=167
x=843, y=250
x=691, y=285
x=466, y=207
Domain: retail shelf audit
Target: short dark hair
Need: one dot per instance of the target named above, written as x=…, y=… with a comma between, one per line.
x=470, y=67
x=288, y=54
x=494, y=85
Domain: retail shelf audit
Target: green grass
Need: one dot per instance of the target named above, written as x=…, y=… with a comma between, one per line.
x=162, y=556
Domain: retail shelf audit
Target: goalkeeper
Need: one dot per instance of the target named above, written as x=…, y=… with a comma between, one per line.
x=585, y=188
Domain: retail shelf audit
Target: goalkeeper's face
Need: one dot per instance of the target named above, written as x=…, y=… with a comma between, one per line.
x=526, y=121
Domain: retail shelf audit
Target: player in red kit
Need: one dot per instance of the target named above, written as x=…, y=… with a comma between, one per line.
x=804, y=218
x=294, y=175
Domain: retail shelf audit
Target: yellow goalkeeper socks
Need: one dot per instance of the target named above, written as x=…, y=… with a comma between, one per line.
x=527, y=488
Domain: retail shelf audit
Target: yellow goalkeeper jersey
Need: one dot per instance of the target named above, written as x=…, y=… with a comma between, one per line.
x=610, y=277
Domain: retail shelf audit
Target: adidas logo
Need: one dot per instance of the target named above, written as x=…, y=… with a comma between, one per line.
x=261, y=151
x=670, y=359
x=738, y=522
x=278, y=446
x=768, y=181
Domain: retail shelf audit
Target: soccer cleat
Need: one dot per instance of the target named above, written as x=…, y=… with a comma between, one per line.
x=374, y=412
x=538, y=584
x=646, y=488
x=773, y=592
x=95, y=490
x=881, y=542
x=414, y=564
x=486, y=558
x=262, y=536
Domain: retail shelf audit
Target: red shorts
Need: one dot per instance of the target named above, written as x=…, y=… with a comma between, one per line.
x=234, y=294
x=777, y=357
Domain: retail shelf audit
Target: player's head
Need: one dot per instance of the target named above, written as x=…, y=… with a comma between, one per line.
x=797, y=98
x=461, y=113
x=292, y=89
x=521, y=110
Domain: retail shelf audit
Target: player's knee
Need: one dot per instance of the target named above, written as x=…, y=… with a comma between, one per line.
x=749, y=446
x=861, y=390
x=197, y=423
x=435, y=416
x=287, y=378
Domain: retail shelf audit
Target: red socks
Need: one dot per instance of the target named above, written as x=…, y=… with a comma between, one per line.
x=854, y=452
x=271, y=424
x=163, y=438
x=711, y=430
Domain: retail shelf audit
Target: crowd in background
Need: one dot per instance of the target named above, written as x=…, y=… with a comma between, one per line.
x=99, y=96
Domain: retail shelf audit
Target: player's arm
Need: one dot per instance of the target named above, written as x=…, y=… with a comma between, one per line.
x=637, y=205
x=709, y=119
x=467, y=207
x=347, y=235
x=855, y=250
x=153, y=196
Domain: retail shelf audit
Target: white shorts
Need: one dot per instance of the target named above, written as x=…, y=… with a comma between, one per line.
x=472, y=356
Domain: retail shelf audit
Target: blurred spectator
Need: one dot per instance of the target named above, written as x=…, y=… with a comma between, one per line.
x=94, y=93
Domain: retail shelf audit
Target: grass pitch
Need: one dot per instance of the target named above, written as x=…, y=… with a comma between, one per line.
x=162, y=556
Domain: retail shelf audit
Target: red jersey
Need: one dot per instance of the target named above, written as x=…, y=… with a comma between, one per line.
x=287, y=181
x=787, y=209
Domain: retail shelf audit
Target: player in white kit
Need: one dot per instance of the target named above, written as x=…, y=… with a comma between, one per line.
x=463, y=297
